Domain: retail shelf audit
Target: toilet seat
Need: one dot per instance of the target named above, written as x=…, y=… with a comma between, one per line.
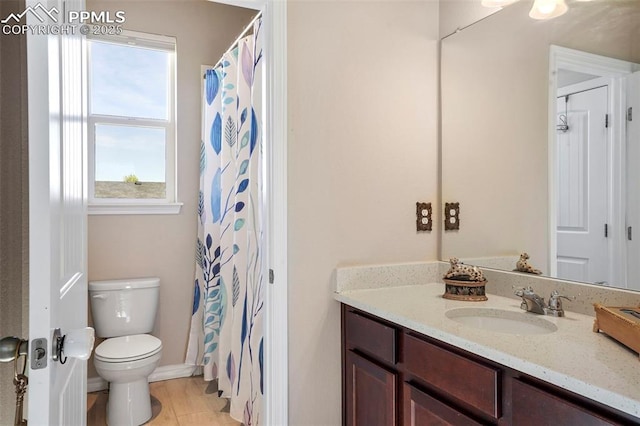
x=128, y=348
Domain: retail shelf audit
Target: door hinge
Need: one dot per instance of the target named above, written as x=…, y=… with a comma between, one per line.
x=630, y=114
x=606, y=230
x=271, y=276
x=606, y=121
x=629, y=233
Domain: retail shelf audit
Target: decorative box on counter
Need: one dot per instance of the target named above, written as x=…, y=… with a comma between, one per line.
x=464, y=282
x=464, y=290
x=622, y=324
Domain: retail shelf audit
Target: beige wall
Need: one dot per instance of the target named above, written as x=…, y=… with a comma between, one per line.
x=157, y=245
x=362, y=150
x=458, y=14
x=14, y=200
x=495, y=80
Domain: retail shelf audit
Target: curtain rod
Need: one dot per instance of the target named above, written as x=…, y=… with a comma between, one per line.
x=242, y=34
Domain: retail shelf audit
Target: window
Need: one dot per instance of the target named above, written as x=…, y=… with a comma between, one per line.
x=131, y=124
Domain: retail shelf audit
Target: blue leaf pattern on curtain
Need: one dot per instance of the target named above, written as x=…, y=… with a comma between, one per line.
x=230, y=134
x=202, y=213
x=216, y=134
x=203, y=158
x=212, y=84
x=247, y=65
x=196, y=298
x=226, y=335
x=254, y=129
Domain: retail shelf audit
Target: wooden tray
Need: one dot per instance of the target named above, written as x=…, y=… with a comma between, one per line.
x=621, y=323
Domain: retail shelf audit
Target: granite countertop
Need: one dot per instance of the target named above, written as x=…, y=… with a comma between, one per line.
x=573, y=357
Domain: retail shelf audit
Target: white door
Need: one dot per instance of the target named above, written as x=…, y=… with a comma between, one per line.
x=582, y=187
x=57, y=213
x=633, y=181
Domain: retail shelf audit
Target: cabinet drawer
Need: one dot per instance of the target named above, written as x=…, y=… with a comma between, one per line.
x=370, y=336
x=533, y=406
x=466, y=380
x=422, y=409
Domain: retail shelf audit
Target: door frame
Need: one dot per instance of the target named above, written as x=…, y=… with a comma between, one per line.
x=276, y=318
x=631, y=208
x=276, y=364
x=614, y=69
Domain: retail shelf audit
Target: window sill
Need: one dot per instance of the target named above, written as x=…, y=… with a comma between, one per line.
x=109, y=209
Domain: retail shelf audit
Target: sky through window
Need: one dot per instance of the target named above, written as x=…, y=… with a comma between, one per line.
x=129, y=81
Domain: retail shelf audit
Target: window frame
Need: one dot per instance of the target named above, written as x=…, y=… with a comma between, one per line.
x=169, y=204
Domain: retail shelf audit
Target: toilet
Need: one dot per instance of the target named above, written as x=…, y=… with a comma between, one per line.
x=124, y=312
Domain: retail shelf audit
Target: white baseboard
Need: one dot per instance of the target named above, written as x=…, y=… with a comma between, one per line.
x=166, y=372
x=96, y=384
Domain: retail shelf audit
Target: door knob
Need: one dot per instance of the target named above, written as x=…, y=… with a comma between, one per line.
x=76, y=343
x=12, y=347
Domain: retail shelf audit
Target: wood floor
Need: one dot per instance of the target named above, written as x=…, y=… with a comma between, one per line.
x=179, y=402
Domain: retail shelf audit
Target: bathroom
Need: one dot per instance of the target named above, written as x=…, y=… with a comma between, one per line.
x=356, y=166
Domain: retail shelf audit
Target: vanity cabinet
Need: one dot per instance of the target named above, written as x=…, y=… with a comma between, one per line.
x=395, y=376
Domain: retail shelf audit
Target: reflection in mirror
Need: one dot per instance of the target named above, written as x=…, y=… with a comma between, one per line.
x=590, y=139
x=536, y=146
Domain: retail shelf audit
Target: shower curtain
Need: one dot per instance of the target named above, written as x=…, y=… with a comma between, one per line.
x=226, y=336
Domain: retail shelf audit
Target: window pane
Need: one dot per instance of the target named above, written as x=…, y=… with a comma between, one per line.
x=129, y=162
x=129, y=81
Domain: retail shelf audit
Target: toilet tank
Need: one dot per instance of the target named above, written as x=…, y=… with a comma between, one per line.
x=124, y=307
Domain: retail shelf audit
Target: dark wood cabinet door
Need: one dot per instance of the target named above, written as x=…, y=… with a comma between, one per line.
x=420, y=409
x=533, y=406
x=370, y=393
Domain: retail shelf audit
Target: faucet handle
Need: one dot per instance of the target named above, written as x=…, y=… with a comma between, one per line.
x=521, y=291
x=555, y=304
x=556, y=295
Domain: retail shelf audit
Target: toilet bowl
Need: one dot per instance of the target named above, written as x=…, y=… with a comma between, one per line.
x=123, y=312
x=126, y=363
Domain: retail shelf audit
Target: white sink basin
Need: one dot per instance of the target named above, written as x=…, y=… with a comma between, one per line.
x=501, y=321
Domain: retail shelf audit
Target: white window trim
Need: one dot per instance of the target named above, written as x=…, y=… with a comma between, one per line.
x=168, y=205
x=155, y=208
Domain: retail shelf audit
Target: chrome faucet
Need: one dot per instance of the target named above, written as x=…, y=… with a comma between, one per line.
x=531, y=302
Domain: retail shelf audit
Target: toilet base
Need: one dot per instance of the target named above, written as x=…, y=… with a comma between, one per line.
x=129, y=404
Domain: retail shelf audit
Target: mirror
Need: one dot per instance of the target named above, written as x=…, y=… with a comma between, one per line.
x=524, y=184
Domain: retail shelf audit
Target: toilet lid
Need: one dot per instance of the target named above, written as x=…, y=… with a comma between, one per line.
x=128, y=348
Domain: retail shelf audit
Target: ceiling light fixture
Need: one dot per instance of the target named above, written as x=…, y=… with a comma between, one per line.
x=548, y=9
x=542, y=9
